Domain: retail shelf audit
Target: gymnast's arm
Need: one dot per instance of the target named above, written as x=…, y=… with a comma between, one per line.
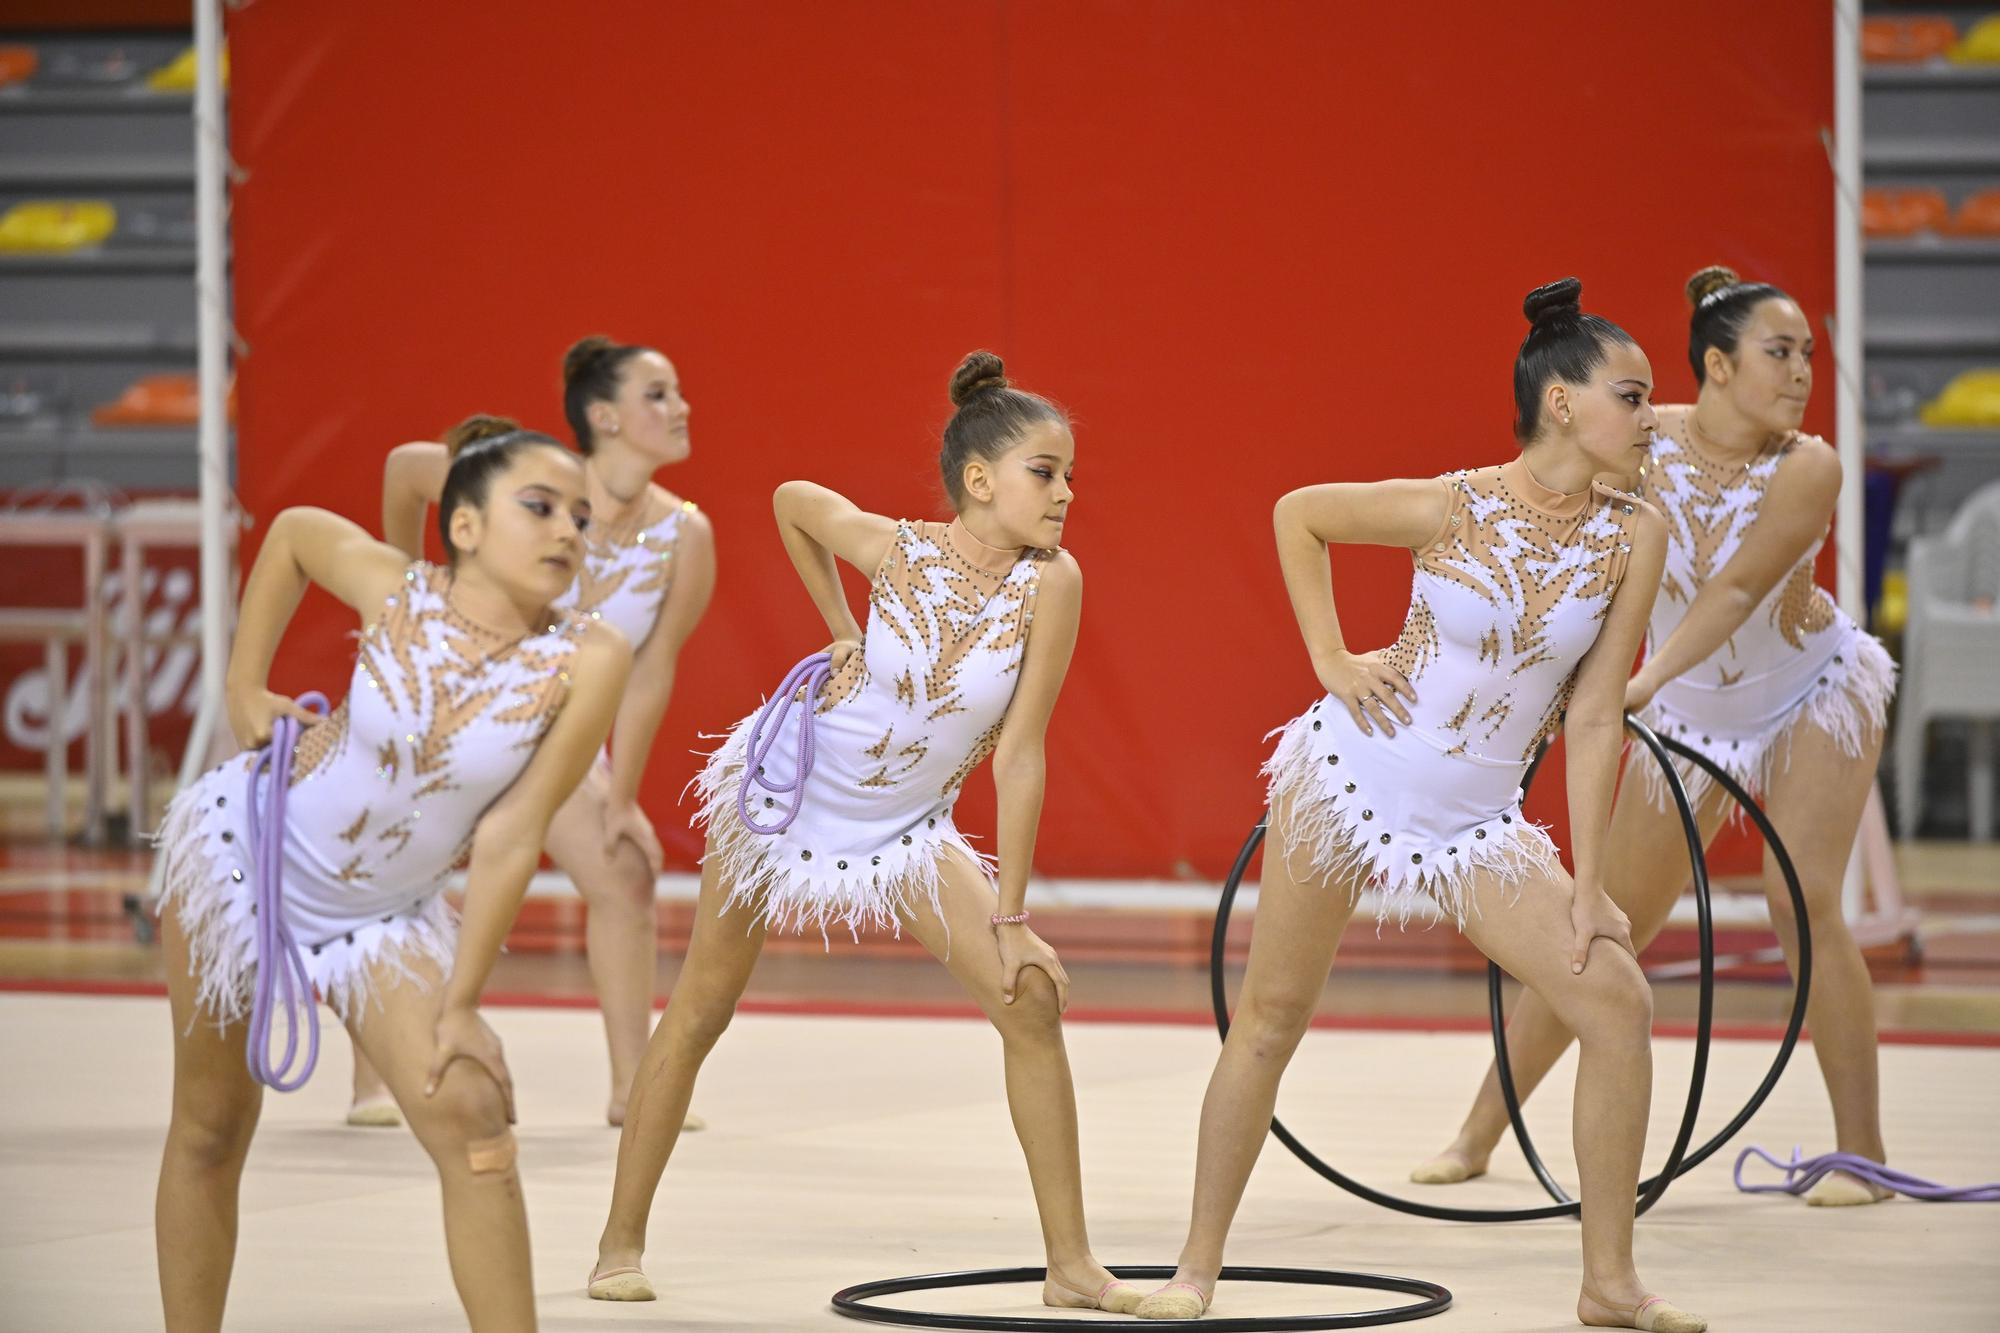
x=1594, y=734
x=817, y=525
x=304, y=545
x=507, y=844
x=1020, y=768
x=1405, y=513
x=1797, y=506
x=412, y=481
x=652, y=683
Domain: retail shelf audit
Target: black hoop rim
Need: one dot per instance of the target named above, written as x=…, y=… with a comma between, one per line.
x=1653, y=1188
x=852, y=1301
x=1496, y=1015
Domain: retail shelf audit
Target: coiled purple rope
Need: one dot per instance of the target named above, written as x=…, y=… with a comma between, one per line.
x=806, y=678
x=1802, y=1175
x=280, y=965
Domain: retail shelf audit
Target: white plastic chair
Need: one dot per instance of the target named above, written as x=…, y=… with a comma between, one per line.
x=1951, y=654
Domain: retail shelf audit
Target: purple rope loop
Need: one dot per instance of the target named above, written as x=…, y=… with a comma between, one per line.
x=282, y=979
x=802, y=684
x=1802, y=1174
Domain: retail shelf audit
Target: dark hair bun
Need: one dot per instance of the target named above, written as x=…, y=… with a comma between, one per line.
x=475, y=428
x=577, y=361
x=1707, y=282
x=1562, y=299
x=979, y=372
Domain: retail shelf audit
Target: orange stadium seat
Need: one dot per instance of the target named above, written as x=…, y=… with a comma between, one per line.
x=1979, y=215
x=1903, y=212
x=1902, y=41
x=18, y=64
x=154, y=400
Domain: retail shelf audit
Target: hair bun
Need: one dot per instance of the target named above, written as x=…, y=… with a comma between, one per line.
x=577, y=360
x=475, y=428
x=1562, y=299
x=1707, y=282
x=979, y=372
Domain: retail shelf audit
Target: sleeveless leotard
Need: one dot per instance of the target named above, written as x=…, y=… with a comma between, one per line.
x=1504, y=602
x=439, y=720
x=898, y=731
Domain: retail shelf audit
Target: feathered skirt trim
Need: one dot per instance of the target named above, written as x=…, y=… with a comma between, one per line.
x=1738, y=729
x=825, y=872
x=1399, y=815
x=205, y=841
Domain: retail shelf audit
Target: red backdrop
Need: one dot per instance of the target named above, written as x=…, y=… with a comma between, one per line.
x=1251, y=246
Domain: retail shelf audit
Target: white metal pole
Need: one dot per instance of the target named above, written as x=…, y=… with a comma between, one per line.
x=1849, y=534
x=211, y=163
x=1849, y=537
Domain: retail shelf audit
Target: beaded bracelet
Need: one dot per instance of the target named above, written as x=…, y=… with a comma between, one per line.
x=1013, y=920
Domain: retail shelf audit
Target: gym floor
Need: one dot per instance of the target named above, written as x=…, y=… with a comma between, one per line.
x=858, y=1130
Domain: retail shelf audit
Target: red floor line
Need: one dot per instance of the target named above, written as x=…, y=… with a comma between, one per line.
x=1151, y=1017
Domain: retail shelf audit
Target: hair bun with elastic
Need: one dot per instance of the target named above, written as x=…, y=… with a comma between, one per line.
x=1707, y=282
x=475, y=428
x=1562, y=299
x=979, y=372
x=577, y=360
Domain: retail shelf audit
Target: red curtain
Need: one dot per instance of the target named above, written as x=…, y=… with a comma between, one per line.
x=1251, y=246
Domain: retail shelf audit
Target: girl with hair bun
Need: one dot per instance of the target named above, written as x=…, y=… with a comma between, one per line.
x=648, y=568
x=473, y=709
x=1750, y=662
x=832, y=807
x=1530, y=590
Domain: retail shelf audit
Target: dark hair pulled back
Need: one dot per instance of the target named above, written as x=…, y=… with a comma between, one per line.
x=991, y=415
x=481, y=448
x=1563, y=343
x=1722, y=305
x=592, y=369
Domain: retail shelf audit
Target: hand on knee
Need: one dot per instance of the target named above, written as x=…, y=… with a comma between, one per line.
x=1037, y=1007
x=464, y=1123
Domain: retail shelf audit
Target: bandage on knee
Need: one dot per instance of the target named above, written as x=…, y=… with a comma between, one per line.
x=490, y=1156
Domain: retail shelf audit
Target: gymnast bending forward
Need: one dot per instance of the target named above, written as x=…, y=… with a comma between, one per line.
x=472, y=712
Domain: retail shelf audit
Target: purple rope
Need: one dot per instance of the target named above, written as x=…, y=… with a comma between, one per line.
x=1802, y=1175
x=280, y=965
x=804, y=681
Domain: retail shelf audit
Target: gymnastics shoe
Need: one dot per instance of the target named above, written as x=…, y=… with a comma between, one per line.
x=1837, y=1189
x=379, y=1112
x=1176, y=1300
x=1449, y=1167
x=1115, y=1296
x=1652, y=1315
x=620, y=1284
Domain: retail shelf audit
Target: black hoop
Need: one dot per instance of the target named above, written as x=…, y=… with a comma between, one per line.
x=851, y=1301
x=1677, y=1161
x=1504, y=1068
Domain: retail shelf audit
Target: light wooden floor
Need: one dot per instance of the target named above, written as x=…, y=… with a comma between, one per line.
x=844, y=1149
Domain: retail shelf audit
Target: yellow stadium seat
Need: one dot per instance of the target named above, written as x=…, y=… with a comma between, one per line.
x=1971, y=399
x=1980, y=45
x=56, y=225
